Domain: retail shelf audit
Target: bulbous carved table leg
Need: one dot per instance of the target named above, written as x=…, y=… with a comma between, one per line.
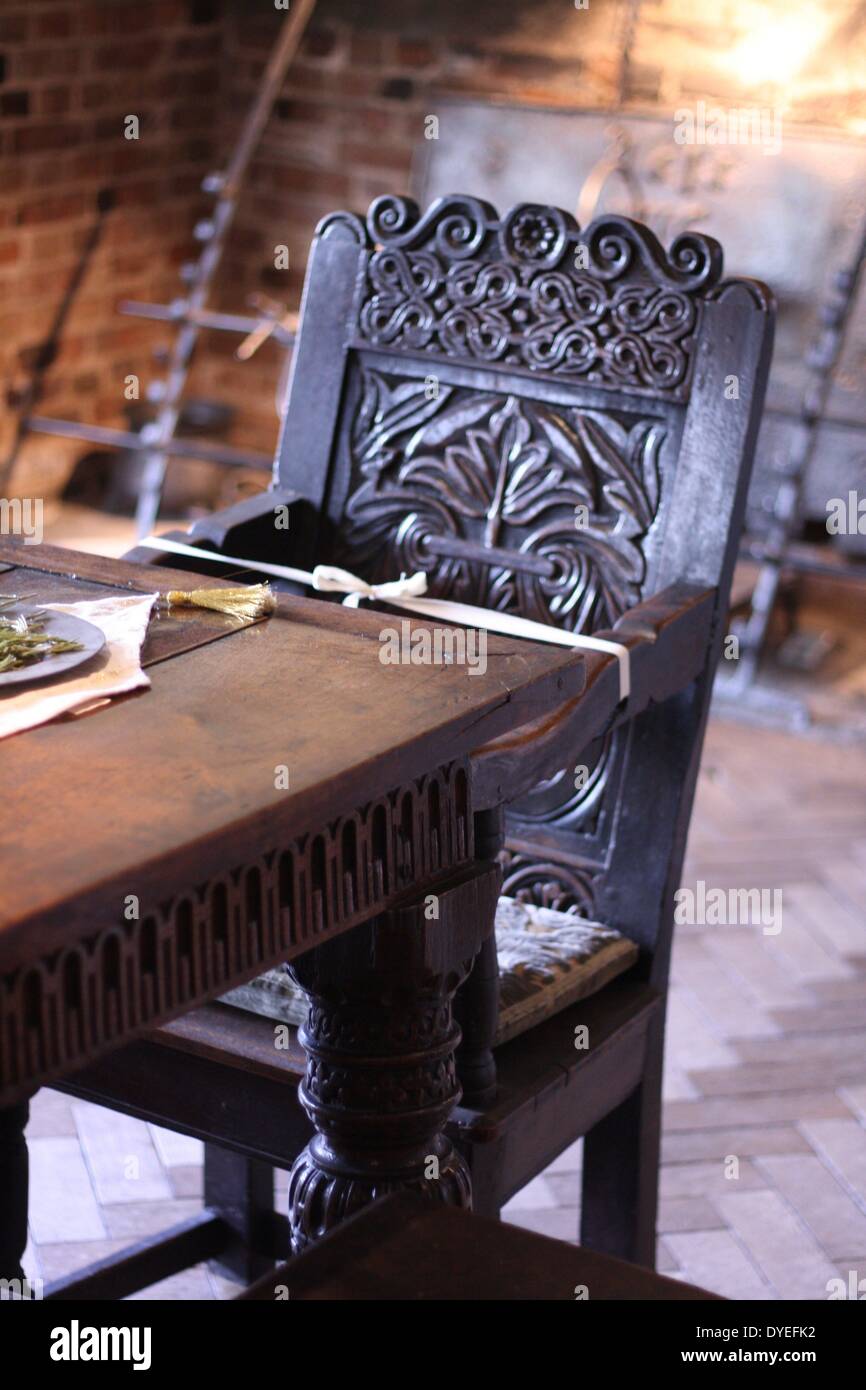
x=380, y=1043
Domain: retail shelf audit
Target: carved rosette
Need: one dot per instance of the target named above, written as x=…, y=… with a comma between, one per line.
x=607, y=306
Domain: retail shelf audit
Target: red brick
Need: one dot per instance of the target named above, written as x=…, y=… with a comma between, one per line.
x=57, y=135
x=414, y=53
x=91, y=165
x=12, y=178
x=45, y=62
x=197, y=46
x=106, y=17
x=376, y=120
x=54, y=209
x=257, y=32
x=319, y=43
x=291, y=109
x=356, y=154
x=85, y=383
x=140, y=191
x=197, y=82
x=327, y=84
x=54, y=101
x=366, y=50
x=138, y=53
x=368, y=186
x=95, y=94
x=58, y=24
x=55, y=245
x=397, y=89
x=321, y=181
x=15, y=103
x=13, y=28
x=192, y=118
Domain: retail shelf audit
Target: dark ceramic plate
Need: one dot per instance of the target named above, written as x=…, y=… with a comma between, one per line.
x=92, y=640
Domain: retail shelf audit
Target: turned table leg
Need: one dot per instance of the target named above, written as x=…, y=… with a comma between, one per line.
x=13, y=1189
x=380, y=1041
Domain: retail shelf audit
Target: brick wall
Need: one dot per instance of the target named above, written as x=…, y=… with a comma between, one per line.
x=348, y=120
x=351, y=117
x=71, y=72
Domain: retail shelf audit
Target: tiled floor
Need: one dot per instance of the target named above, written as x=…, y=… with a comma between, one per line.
x=763, y=1187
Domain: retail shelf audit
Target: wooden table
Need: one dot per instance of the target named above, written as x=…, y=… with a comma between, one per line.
x=152, y=856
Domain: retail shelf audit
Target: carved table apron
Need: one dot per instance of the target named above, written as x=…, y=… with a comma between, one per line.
x=276, y=787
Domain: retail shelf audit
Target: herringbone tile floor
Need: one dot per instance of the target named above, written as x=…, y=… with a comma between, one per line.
x=763, y=1186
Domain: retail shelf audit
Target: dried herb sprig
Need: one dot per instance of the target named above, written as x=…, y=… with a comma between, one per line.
x=23, y=639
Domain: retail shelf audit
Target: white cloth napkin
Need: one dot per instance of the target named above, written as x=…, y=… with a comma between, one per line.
x=124, y=621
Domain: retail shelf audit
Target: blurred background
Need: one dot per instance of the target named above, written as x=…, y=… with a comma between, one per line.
x=541, y=100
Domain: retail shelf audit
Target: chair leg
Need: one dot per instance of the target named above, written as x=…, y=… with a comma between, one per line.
x=476, y=1008
x=476, y=1004
x=620, y=1170
x=241, y=1191
x=484, y=1164
x=14, y=1176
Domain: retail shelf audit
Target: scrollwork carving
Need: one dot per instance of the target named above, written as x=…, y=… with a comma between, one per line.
x=457, y=226
x=608, y=306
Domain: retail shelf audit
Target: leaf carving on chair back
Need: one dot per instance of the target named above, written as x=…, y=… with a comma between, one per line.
x=508, y=474
x=607, y=306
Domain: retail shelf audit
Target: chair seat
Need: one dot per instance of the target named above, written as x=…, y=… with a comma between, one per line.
x=547, y=961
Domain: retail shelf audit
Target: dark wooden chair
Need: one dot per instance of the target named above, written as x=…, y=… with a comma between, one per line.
x=552, y=422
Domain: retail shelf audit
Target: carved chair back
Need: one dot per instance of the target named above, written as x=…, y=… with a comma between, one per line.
x=548, y=421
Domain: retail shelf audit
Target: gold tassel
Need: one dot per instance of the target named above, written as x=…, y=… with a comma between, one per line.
x=247, y=603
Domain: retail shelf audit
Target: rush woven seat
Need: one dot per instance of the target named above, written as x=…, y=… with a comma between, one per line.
x=547, y=961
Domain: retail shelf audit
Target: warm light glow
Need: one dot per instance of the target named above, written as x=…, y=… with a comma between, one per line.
x=778, y=44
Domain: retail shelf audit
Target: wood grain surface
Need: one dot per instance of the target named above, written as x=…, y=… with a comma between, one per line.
x=158, y=790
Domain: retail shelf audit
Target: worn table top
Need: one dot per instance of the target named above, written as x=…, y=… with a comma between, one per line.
x=164, y=787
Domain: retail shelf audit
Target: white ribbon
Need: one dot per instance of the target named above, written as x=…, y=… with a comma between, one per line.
x=511, y=625
x=327, y=579
x=195, y=552
x=406, y=593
